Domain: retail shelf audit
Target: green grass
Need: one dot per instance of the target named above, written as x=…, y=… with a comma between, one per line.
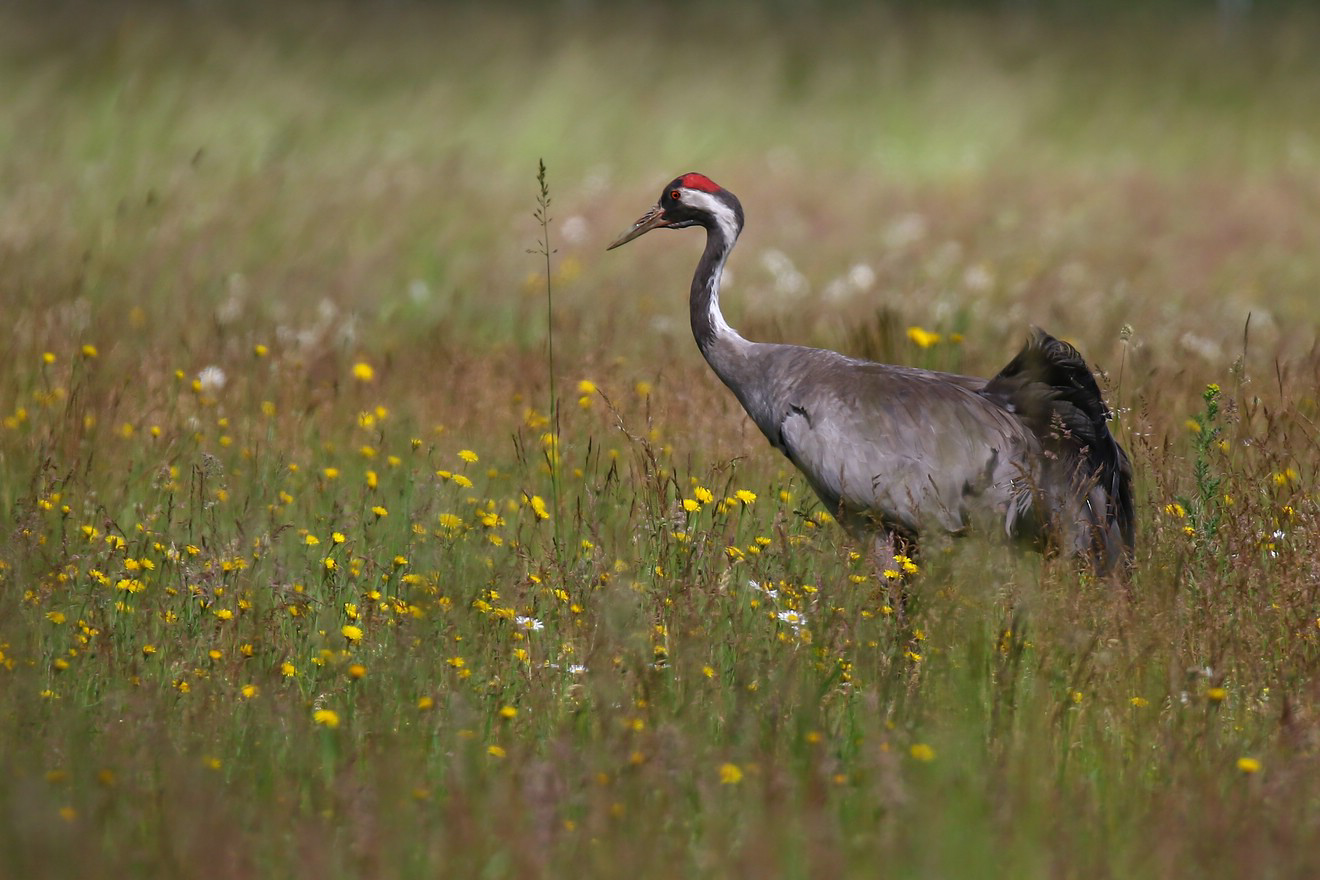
x=287, y=195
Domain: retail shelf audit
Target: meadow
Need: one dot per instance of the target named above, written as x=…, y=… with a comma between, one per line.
x=314, y=564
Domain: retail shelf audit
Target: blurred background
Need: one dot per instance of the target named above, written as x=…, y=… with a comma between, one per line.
x=347, y=177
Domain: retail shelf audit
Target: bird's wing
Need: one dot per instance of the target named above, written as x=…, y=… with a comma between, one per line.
x=909, y=447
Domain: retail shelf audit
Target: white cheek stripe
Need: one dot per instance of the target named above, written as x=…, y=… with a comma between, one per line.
x=721, y=212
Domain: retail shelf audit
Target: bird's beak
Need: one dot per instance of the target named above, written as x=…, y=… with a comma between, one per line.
x=652, y=219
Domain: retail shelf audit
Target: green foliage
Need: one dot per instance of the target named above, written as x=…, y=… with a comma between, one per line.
x=1205, y=507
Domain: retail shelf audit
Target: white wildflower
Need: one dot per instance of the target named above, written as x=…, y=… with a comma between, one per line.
x=575, y=230
x=212, y=379
x=861, y=277
x=795, y=619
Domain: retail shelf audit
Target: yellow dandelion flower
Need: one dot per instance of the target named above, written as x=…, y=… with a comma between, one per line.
x=1289, y=475
x=48, y=357
x=260, y=350
x=922, y=752
x=224, y=614
x=730, y=774
x=586, y=386
x=89, y=351
x=745, y=496
x=508, y=712
x=326, y=718
x=338, y=537
x=468, y=455
x=312, y=540
x=351, y=632
x=1139, y=702
x=496, y=752
x=363, y=372
x=923, y=338
x=249, y=691
x=691, y=505
x=1248, y=765
x=1216, y=694
x=704, y=495
x=288, y=670
x=329, y=563
x=330, y=473
x=425, y=703
x=357, y=670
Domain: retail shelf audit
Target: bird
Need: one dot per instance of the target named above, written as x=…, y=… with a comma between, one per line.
x=898, y=453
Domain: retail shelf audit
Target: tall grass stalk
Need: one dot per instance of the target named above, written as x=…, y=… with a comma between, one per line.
x=544, y=250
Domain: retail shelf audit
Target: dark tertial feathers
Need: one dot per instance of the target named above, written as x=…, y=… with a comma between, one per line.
x=1050, y=388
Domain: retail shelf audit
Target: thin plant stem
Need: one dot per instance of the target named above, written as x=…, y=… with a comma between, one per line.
x=543, y=249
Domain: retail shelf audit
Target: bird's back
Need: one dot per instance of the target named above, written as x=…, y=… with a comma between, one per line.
x=912, y=449
x=1027, y=454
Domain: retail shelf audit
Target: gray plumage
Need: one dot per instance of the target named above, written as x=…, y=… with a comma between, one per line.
x=903, y=451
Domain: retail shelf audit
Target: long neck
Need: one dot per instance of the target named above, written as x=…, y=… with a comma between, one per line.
x=721, y=345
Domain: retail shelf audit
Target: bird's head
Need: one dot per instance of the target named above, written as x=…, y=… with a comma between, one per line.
x=690, y=200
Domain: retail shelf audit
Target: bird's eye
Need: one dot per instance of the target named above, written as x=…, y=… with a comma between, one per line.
x=675, y=195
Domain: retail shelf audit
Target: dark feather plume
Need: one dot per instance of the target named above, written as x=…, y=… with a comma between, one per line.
x=1051, y=389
